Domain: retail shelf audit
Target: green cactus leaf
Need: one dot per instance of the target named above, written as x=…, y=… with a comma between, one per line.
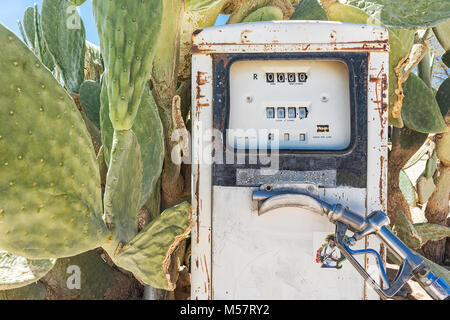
x=123, y=186
x=77, y=2
x=443, y=153
x=431, y=231
x=200, y=5
x=407, y=188
x=150, y=135
x=65, y=36
x=426, y=147
x=265, y=14
x=309, y=10
x=164, y=69
x=87, y=276
x=400, y=41
x=34, y=291
x=29, y=25
x=127, y=43
x=50, y=196
x=420, y=110
x=149, y=255
x=90, y=100
x=404, y=229
x=405, y=14
x=446, y=58
x=22, y=32
x=442, y=33
x=425, y=188
x=430, y=167
x=193, y=20
x=443, y=97
x=16, y=272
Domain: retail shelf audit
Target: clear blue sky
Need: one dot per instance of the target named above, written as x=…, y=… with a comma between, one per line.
x=12, y=10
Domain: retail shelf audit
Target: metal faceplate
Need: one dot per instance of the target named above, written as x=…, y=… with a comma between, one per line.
x=327, y=85
x=289, y=104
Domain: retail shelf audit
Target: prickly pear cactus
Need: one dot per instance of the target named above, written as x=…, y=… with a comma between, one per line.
x=442, y=32
x=194, y=18
x=123, y=186
x=406, y=14
x=65, y=36
x=416, y=235
x=420, y=110
x=16, y=272
x=265, y=14
x=200, y=5
x=50, y=197
x=443, y=97
x=149, y=254
x=431, y=231
x=149, y=133
x=309, y=10
x=407, y=188
x=425, y=188
x=29, y=25
x=90, y=100
x=128, y=33
x=77, y=2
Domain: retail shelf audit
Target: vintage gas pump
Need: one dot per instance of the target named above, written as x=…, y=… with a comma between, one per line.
x=282, y=110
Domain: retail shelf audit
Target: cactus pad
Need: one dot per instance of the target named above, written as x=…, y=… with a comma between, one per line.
x=123, y=186
x=16, y=272
x=407, y=188
x=431, y=231
x=309, y=10
x=406, y=14
x=425, y=188
x=50, y=197
x=200, y=5
x=442, y=32
x=90, y=100
x=265, y=14
x=149, y=255
x=77, y=2
x=65, y=36
x=420, y=110
x=443, y=96
x=128, y=33
x=406, y=231
x=149, y=132
x=29, y=25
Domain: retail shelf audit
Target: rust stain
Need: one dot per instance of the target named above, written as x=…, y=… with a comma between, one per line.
x=207, y=273
x=370, y=45
x=333, y=36
x=197, y=32
x=381, y=78
x=244, y=36
x=200, y=80
x=197, y=198
x=380, y=186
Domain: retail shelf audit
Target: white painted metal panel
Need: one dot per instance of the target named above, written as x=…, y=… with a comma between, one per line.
x=272, y=256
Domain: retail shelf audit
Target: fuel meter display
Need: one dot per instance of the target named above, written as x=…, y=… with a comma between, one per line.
x=289, y=104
